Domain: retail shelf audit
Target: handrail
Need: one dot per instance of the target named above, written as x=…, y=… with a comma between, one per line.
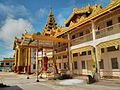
x=82, y=36
x=107, y=27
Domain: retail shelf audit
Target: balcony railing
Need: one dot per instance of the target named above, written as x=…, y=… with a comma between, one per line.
x=113, y=29
x=61, y=48
x=84, y=38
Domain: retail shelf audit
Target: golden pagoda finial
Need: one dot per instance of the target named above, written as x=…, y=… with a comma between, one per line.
x=51, y=11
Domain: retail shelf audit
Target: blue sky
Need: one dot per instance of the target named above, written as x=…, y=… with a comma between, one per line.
x=18, y=15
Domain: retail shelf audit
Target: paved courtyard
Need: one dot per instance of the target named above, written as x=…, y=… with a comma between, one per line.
x=19, y=82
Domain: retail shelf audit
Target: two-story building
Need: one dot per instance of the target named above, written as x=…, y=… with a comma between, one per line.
x=95, y=41
x=94, y=34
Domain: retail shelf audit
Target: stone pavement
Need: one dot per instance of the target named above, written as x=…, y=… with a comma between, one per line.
x=19, y=82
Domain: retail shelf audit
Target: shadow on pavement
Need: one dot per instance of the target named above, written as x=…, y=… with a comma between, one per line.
x=11, y=88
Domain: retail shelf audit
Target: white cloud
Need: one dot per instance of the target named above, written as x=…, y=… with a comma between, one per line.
x=60, y=19
x=10, y=29
x=41, y=12
x=12, y=10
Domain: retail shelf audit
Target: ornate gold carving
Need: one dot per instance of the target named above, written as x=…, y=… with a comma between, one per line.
x=71, y=23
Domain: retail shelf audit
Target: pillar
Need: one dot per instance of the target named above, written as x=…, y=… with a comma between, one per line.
x=29, y=61
x=54, y=60
x=26, y=60
x=69, y=56
x=37, y=64
x=95, y=48
x=93, y=30
x=15, y=65
x=19, y=60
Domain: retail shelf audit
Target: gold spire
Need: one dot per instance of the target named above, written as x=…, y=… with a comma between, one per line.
x=50, y=24
x=51, y=11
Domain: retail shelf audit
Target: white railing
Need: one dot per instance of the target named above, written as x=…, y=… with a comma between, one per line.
x=84, y=38
x=113, y=29
x=61, y=48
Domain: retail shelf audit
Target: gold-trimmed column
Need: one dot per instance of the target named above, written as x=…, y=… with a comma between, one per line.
x=19, y=60
x=29, y=61
x=26, y=59
x=15, y=65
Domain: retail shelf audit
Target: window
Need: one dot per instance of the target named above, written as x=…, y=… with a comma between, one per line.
x=73, y=37
x=75, y=65
x=65, y=65
x=102, y=50
x=83, y=64
x=98, y=28
x=75, y=54
x=64, y=56
x=7, y=63
x=114, y=63
x=83, y=53
x=34, y=67
x=59, y=65
x=81, y=33
x=101, y=63
x=112, y=48
x=2, y=64
x=59, y=44
x=89, y=52
x=119, y=19
x=109, y=23
x=59, y=57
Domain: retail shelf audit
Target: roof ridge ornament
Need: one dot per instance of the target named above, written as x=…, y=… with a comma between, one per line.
x=26, y=31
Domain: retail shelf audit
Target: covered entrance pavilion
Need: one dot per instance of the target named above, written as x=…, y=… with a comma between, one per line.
x=43, y=44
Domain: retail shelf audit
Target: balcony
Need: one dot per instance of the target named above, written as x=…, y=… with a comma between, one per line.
x=61, y=48
x=114, y=29
x=82, y=39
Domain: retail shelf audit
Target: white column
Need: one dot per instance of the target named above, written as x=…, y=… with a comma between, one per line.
x=94, y=44
x=93, y=30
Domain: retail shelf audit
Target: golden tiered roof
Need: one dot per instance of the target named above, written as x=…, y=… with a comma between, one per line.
x=50, y=25
x=95, y=11
x=59, y=30
x=81, y=12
